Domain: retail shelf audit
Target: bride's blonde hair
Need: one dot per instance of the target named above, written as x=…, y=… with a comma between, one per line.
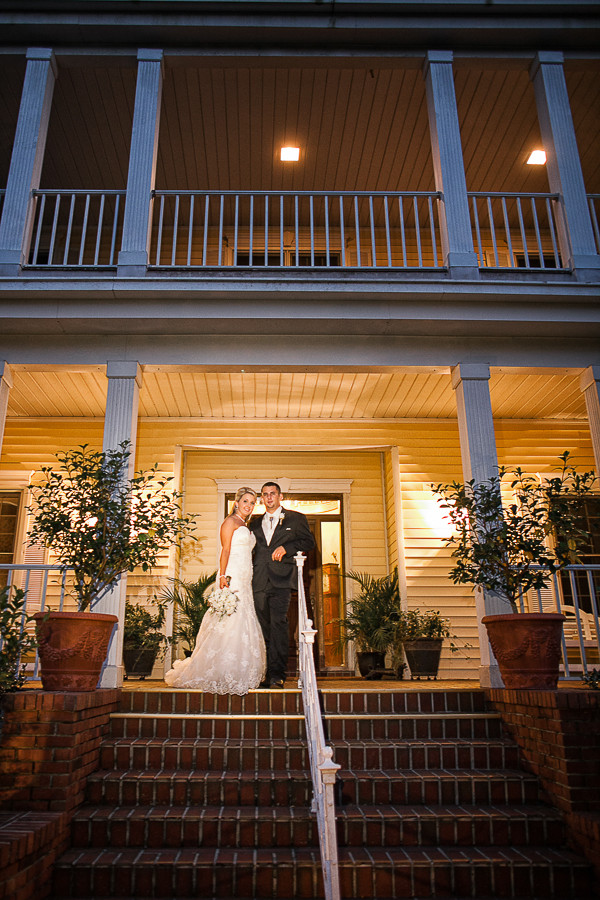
x=240, y=493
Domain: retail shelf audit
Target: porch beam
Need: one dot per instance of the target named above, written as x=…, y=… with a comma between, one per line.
x=27, y=159
x=120, y=424
x=565, y=176
x=480, y=463
x=6, y=384
x=589, y=383
x=448, y=166
x=133, y=256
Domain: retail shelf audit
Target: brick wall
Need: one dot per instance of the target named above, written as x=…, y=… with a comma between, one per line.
x=50, y=743
x=558, y=733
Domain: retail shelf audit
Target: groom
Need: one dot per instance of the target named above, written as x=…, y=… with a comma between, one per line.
x=280, y=534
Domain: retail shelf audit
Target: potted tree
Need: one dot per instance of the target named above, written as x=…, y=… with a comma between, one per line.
x=191, y=605
x=99, y=523
x=143, y=639
x=421, y=635
x=372, y=619
x=512, y=548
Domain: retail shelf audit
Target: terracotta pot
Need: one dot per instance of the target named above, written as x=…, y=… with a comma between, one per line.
x=72, y=648
x=527, y=647
x=423, y=656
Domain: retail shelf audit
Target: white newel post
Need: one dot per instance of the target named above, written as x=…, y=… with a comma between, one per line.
x=565, y=177
x=5, y=386
x=26, y=160
x=589, y=382
x=479, y=462
x=133, y=256
x=448, y=166
x=120, y=424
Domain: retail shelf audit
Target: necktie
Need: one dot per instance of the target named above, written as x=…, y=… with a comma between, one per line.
x=271, y=524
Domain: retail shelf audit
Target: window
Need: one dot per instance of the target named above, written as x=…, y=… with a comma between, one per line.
x=10, y=502
x=588, y=521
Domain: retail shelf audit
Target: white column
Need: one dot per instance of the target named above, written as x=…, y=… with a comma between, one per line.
x=589, y=383
x=448, y=166
x=5, y=386
x=564, y=167
x=120, y=424
x=480, y=463
x=133, y=257
x=27, y=158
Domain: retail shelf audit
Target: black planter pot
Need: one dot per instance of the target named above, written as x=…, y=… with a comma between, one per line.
x=369, y=661
x=139, y=663
x=423, y=657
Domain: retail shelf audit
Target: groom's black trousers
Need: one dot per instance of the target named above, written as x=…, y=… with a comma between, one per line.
x=272, y=606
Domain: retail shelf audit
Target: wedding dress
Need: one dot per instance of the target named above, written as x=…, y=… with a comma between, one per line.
x=229, y=656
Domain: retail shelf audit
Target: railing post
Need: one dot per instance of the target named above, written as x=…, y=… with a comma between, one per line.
x=576, y=235
x=448, y=166
x=26, y=160
x=133, y=257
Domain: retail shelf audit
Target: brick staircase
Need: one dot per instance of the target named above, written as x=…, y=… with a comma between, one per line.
x=205, y=796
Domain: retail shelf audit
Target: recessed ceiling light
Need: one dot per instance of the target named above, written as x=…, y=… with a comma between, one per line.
x=290, y=154
x=537, y=158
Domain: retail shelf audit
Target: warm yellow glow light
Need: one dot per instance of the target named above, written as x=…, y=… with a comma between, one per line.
x=537, y=158
x=290, y=154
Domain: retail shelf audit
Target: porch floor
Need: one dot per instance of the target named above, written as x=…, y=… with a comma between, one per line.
x=355, y=683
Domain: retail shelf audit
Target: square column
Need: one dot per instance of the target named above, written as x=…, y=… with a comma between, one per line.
x=480, y=463
x=120, y=424
x=448, y=166
x=5, y=385
x=26, y=160
x=133, y=257
x=576, y=236
x=589, y=382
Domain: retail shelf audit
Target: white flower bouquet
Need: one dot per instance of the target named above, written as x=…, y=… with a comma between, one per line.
x=223, y=602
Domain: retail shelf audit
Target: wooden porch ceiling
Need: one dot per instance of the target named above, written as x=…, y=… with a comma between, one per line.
x=342, y=396
x=360, y=123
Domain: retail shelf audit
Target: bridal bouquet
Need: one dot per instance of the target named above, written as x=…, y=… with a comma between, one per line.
x=223, y=602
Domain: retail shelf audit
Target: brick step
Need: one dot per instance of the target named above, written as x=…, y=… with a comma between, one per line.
x=235, y=754
x=289, y=701
x=284, y=873
x=349, y=727
x=257, y=827
x=293, y=787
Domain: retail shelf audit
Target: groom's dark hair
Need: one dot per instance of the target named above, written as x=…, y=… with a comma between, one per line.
x=270, y=484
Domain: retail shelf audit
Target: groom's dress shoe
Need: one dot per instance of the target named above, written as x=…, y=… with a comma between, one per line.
x=277, y=683
x=265, y=684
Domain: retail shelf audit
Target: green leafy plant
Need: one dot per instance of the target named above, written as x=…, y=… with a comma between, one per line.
x=100, y=523
x=191, y=606
x=511, y=548
x=142, y=629
x=372, y=620
x=414, y=624
x=15, y=640
x=592, y=679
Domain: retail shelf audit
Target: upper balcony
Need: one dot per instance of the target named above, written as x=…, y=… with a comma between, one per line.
x=375, y=198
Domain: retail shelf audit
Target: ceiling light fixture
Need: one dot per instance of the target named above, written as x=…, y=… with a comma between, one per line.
x=290, y=154
x=537, y=158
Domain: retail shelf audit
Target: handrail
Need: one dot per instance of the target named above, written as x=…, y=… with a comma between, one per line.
x=322, y=767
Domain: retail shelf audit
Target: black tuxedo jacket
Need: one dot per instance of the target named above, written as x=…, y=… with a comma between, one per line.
x=292, y=533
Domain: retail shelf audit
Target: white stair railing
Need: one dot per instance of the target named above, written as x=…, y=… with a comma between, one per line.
x=322, y=767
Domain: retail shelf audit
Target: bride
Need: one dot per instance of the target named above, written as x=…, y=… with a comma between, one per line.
x=229, y=656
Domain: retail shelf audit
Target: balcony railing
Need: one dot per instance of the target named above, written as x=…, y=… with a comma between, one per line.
x=264, y=229
x=515, y=231
x=80, y=229
x=303, y=230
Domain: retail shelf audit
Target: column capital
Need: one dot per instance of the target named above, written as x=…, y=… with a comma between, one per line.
x=589, y=377
x=6, y=374
x=546, y=57
x=469, y=372
x=149, y=54
x=437, y=56
x=124, y=368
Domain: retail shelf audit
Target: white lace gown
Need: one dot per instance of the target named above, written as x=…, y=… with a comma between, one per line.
x=229, y=656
